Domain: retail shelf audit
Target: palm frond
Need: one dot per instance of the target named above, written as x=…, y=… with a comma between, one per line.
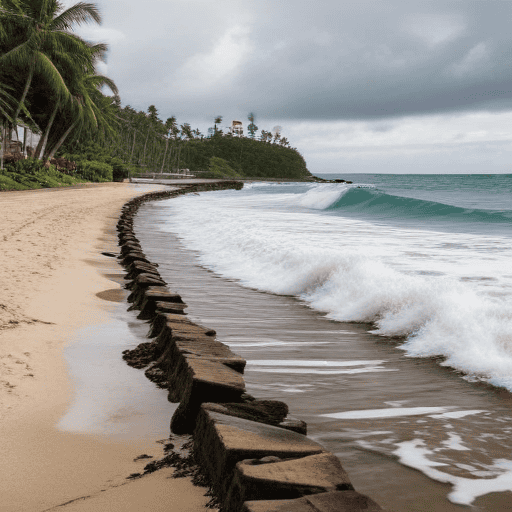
x=46, y=68
x=99, y=51
x=78, y=14
x=98, y=81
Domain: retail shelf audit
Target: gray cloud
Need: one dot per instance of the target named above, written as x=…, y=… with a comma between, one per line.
x=301, y=64
x=304, y=60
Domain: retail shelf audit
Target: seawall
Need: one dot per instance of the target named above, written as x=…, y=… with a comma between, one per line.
x=254, y=456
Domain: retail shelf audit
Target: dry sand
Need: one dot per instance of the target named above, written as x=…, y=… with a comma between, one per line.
x=50, y=244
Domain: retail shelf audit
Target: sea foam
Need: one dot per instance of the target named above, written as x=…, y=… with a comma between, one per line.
x=442, y=294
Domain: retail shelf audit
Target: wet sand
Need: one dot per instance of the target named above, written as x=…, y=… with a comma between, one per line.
x=57, y=288
x=410, y=433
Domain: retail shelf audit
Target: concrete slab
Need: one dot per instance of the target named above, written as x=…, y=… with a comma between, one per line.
x=338, y=501
x=153, y=295
x=171, y=307
x=195, y=380
x=288, y=479
x=160, y=321
x=220, y=441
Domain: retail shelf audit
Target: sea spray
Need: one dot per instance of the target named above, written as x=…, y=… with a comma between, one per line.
x=443, y=292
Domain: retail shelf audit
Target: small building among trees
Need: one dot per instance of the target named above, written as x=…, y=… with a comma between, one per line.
x=237, y=128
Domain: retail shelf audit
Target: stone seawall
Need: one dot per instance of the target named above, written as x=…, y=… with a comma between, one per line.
x=254, y=455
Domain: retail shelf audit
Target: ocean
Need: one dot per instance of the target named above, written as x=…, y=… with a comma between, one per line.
x=380, y=311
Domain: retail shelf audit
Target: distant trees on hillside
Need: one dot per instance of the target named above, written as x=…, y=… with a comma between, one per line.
x=50, y=84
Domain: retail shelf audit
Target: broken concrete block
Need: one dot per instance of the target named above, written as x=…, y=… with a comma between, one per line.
x=337, y=501
x=220, y=441
x=263, y=479
x=151, y=297
x=198, y=380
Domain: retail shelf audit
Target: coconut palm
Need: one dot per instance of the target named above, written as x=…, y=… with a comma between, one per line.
x=91, y=109
x=217, y=121
x=33, y=33
x=170, y=126
x=82, y=81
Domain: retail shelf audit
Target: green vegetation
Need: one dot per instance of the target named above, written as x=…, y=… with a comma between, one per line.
x=49, y=84
x=142, y=143
x=31, y=173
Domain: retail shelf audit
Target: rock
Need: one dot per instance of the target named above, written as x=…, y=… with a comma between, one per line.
x=151, y=297
x=271, y=412
x=294, y=424
x=337, y=501
x=140, y=267
x=197, y=344
x=160, y=320
x=271, y=479
x=171, y=307
x=142, y=355
x=130, y=247
x=220, y=441
x=139, y=291
x=133, y=256
x=145, y=280
x=199, y=380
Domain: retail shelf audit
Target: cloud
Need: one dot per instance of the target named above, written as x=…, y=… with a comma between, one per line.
x=434, y=28
x=476, y=56
x=372, y=77
x=98, y=33
x=218, y=66
x=468, y=142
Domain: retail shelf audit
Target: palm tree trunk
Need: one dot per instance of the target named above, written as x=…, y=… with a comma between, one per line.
x=42, y=146
x=61, y=140
x=133, y=145
x=3, y=147
x=165, y=153
x=144, y=153
x=25, y=92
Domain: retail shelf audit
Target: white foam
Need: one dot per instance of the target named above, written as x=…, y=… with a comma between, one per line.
x=456, y=414
x=269, y=342
x=302, y=362
x=465, y=490
x=454, y=442
x=367, y=369
x=384, y=413
x=322, y=196
x=408, y=283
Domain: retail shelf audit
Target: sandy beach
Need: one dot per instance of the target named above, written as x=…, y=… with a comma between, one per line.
x=55, y=281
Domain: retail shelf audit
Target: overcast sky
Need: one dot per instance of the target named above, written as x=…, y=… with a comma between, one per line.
x=357, y=86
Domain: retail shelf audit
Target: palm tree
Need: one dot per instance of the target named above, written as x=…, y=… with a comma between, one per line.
x=170, y=126
x=81, y=81
x=91, y=108
x=217, y=121
x=186, y=131
x=252, y=128
x=32, y=35
x=152, y=121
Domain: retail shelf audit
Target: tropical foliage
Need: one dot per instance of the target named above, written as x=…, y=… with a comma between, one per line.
x=51, y=73
x=141, y=142
x=50, y=84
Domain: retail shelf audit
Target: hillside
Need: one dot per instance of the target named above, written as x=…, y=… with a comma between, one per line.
x=229, y=156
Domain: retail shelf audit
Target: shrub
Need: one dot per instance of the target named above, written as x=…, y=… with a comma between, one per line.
x=31, y=174
x=219, y=168
x=94, y=170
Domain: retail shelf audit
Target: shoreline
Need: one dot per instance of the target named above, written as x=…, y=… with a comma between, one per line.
x=226, y=424
x=51, y=256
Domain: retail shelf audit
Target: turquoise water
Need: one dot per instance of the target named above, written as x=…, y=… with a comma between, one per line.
x=424, y=258
x=380, y=311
